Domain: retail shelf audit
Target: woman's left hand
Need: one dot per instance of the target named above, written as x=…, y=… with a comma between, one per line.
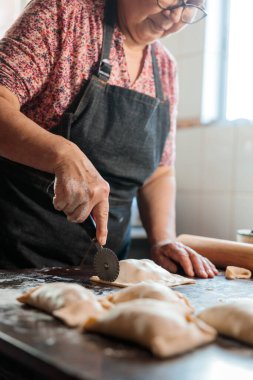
x=175, y=254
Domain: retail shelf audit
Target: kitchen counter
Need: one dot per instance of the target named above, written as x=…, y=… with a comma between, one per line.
x=35, y=345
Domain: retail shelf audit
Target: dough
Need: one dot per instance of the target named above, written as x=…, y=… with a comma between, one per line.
x=236, y=272
x=164, y=328
x=71, y=303
x=150, y=290
x=234, y=319
x=133, y=271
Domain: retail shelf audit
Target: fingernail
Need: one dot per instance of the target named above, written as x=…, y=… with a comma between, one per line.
x=203, y=273
x=103, y=241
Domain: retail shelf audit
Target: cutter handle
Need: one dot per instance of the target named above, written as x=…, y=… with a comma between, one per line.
x=89, y=224
x=90, y=227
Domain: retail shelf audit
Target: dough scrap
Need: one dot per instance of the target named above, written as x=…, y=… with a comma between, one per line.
x=234, y=319
x=133, y=271
x=165, y=329
x=71, y=303
x=237, y=272
x=150, y=290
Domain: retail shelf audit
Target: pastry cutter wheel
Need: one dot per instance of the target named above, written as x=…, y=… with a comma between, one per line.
x=105, y=263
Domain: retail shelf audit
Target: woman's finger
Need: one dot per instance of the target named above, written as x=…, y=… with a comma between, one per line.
x=208, y=268
x=197, y=263
x=100, y=213
x=79, y=215
x=178, y=254
x=214, y=269
x=166, y=263
x=204, y=267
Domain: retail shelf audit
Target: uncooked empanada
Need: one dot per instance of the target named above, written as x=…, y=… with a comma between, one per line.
x=72, y=303
x=161, y=327
x=150, y=290
x=133, y=271
x=236, y=272
x=234, y=319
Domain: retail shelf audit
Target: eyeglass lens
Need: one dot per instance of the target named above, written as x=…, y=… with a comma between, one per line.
x=190, y=14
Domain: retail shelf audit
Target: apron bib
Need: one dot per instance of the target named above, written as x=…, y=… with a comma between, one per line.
x=122, y=132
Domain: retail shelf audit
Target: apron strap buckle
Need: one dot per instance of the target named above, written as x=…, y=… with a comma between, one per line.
x=105, y=69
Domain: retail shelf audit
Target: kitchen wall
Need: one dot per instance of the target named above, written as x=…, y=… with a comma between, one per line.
x=214, y=163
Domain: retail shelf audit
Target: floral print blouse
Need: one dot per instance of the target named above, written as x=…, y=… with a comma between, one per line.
x=52, y=49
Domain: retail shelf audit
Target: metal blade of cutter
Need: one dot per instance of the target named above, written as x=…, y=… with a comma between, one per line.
x=105, y=263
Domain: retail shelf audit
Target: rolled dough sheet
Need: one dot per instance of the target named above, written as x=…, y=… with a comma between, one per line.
x=134, y=271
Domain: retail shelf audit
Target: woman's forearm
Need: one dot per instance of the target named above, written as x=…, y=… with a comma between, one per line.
x=23, y=141
x=156, y=201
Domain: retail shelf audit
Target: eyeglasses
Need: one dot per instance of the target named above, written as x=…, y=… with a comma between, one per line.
x=191, y=12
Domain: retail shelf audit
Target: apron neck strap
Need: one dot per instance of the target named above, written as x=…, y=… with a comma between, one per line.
x=110, y=18
x=157, y=77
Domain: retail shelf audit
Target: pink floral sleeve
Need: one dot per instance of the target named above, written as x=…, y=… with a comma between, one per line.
x=53, y=47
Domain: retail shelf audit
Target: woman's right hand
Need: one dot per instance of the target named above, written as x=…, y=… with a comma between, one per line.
x=80, y=190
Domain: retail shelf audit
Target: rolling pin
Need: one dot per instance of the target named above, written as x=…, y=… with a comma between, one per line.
x=221, y=252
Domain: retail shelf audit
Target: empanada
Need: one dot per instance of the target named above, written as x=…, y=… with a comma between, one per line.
x=164, y=328
x=234, y=319
x=150, y=290
x=72, y=303
x=133, y=271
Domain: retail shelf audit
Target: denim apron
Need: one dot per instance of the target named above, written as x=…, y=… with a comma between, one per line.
x=122, y=132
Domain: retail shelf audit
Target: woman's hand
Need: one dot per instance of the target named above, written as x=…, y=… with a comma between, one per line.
x=175, y=254
x=80, y=190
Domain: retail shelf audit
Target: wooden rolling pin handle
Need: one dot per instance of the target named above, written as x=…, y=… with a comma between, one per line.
x=221, y=252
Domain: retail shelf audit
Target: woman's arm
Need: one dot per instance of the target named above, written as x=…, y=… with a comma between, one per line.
x=79, y=188
x=156, y=200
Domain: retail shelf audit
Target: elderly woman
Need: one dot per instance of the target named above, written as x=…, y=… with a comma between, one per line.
x=88, y=99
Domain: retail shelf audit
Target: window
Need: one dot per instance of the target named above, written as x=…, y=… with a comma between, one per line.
x=228, y=74
x=240, y=61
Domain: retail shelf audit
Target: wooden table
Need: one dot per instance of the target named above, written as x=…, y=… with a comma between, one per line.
x=33, y=345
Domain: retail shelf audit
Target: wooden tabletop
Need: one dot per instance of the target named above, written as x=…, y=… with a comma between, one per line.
x=48, y=350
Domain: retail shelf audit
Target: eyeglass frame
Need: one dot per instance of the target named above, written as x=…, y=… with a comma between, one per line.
x=184, y=5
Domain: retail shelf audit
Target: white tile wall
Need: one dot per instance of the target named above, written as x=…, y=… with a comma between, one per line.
x=218, y=156
x=188, y=41
x=189, y=159
x=243, y=212
x=215, y=214
x=190, y=70
x=244, y=159
x=187, y=47
x=188, y=212
x=215, y=185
